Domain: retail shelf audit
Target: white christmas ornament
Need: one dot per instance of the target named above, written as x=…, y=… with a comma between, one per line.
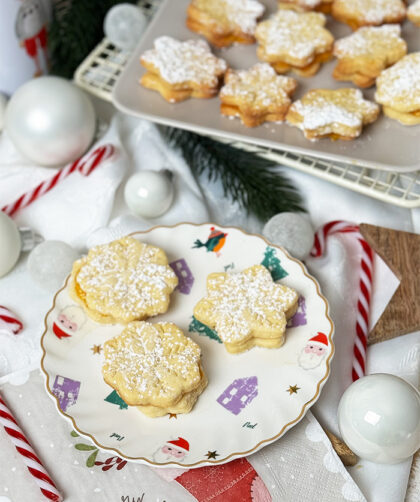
x=3, y=103
x=50, y=121
x=149, y=193
x=10, y=244
x=124, y=25
x=291, y=231
x=379, y=418
x=50, y=263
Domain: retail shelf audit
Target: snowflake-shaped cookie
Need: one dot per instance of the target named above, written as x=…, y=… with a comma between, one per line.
x=153, y=366
x=358, y=13
x=398, y=90
x=257, y=95
x=123, y=281
x=294, y=40
x=413, y=13
x=338, y=114
x=364, y=54
x=179, y=70
x=247, y=308
x=224, y=22
x=319, y=5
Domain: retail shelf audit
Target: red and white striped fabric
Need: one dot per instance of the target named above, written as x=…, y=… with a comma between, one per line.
x=9, y=321
x=32, y=462
x=365, y=288
x=84, y=165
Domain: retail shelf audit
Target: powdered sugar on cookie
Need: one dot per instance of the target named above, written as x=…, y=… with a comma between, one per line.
x=399, y=86
x=369, y=41
x=237, y=305
x=323, y=112
x=259, y=86
x=370, y=11
x=190, y=61
x=151, y=364
x=240, y=13
x=294, y=35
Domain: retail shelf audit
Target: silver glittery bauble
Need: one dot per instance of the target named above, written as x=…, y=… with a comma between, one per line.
x=50, y=121
x=291, y=231
x=124, y=25
x=50, y=263
x=149, y=193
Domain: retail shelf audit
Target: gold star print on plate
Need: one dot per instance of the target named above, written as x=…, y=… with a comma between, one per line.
x=293, y=389
x=247, y=308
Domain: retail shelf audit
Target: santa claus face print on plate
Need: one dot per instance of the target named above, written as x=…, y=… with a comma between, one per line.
x=252, y=398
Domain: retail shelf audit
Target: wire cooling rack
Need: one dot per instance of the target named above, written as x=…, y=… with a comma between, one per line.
x=99, y=72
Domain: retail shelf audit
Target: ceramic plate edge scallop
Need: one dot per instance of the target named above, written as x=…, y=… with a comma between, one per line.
x=252, y=398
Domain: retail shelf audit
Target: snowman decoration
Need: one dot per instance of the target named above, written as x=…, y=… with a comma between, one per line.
x=32, y=33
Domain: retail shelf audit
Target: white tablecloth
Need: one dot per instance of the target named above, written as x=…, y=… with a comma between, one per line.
x=142, y=148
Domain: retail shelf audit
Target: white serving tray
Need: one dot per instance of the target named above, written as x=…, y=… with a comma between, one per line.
x=386, y=144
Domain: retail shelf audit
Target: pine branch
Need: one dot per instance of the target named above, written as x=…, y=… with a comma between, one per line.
x=248, y=179
x=76, y=28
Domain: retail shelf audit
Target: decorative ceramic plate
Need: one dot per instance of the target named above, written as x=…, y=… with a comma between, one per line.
x=386, y=144
x=252, y=398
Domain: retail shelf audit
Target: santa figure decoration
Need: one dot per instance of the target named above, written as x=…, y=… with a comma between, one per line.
x=172, y=451
x=314, y=352
x=31, y=31
x=69, y=321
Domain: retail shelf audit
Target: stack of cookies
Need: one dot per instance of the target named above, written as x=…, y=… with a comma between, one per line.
x=154, y=367
x=294, y=39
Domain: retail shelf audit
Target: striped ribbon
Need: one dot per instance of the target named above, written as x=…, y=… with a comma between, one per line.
x=9, y=321
x=85, y=165
x=32, y=462
x=365, y=288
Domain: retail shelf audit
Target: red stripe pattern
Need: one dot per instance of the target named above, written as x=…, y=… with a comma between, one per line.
x=32, y=462
x=9, y=321
x=85, y=165
x=365, y=288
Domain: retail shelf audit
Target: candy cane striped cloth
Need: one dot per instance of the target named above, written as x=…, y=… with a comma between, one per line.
x=365, y=288
x=85, y=165
x=9, y=321
x=32, y=462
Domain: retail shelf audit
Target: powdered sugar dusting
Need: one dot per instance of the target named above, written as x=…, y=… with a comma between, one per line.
x=371, y=11
x=260, y=86
x=399, y=86
x=242, y=302
x=295, y=34
x=240, y=13
x=331, y=109
x=371, y=41
x=152, y=363
x=414, y=9
x=190, y=61
x=125, y=279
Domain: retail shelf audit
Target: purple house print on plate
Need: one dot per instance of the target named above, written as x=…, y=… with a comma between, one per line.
x=239, y=394
x=184, y=274
x=299, y=319
x=66, y=390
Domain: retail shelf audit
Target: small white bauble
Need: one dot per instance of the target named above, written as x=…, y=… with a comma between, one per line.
x=149, y=193
x=379, y=418
x=50, y=121
x=124, y=25
x=10, y=244
x=50, y=263
x=291, y=231
x=3, y=103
